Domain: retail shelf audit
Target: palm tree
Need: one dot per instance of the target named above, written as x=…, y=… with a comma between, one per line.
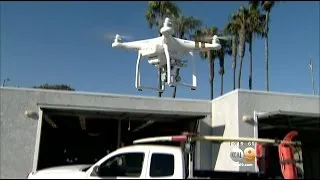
x=221, y=70
x=267, y=6
x=209, y=55
x=225, y=50
x=240, y=19
x=156, y=12
x=254, y=26
x=184, y=26
x=232, y=29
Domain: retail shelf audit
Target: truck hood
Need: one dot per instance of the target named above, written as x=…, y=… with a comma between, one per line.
x=61, y=172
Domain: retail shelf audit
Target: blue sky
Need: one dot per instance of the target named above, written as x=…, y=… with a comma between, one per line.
x=62, y=42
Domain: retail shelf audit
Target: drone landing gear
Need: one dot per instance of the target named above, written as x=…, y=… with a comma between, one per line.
x=168, y=74
x=174, y=77
x=176, y=80
x=138, y=81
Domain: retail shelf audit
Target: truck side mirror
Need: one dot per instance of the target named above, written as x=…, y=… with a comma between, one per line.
x=187, y=147
x=95, y=171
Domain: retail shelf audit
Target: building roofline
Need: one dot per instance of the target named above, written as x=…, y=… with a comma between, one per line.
x=237, y=91
x=276, y=93
x=103, y=94
x=164, y=98
x=225, y=95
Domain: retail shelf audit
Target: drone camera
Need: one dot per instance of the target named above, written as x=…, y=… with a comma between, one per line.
x=193, y=89
x=139, y=89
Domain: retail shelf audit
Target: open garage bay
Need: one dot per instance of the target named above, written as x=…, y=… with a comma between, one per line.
x=83, y=137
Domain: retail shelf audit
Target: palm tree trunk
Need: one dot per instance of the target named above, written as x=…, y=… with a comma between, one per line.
x=221, y=72
x=159, y=74
x=234, y=78
x=175, y=87
x=241, y=51
x=159, y=82
x=267, y=50
x=221, y=85
x=239, y=76
x=234, y=60
x=234, y=67
x=250, y=59
x=211, y=75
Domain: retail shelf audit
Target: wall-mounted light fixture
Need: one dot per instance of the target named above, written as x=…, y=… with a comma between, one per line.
x=247, y=118
x=31, y=114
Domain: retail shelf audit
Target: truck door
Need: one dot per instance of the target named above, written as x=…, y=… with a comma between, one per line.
x=126, y=165
x=165, y=165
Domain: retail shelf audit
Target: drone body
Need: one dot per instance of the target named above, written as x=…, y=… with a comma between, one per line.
x=166, y=53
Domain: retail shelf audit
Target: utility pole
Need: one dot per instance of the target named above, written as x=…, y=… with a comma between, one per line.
x=312, y=77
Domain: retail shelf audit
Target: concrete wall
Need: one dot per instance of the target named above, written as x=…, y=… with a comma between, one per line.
x=224, y=123
x=18, y=133
x=204, y=149
x=229, y=109
x=250, y=101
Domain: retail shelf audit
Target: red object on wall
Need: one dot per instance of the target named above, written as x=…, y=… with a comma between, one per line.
x=263, y=164
x=286, y=156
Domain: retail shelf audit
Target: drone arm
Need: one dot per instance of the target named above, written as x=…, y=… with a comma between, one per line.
x=128, y=45
x=195, y=45
x=135, y=45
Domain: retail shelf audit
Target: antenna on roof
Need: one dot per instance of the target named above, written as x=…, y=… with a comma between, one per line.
x=312, y=77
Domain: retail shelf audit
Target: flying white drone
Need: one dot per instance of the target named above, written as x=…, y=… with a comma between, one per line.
x=166, y=52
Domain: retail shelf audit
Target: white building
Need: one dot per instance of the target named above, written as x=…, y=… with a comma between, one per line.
x=38, y=125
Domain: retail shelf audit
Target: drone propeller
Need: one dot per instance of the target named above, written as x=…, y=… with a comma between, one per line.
x=210, y=38
x=226, y=38
x=169, y=19
x=112, y=36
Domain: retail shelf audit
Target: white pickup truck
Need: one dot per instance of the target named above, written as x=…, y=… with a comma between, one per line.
x=141, y=161
x=137, y=161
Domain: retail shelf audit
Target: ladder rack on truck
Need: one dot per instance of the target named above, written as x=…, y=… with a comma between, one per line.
x=188, y=141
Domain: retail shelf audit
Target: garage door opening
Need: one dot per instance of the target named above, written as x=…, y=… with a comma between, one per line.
x=83, y=137
x=275, y=125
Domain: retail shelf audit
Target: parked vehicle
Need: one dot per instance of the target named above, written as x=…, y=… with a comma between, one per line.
x=147, y=161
